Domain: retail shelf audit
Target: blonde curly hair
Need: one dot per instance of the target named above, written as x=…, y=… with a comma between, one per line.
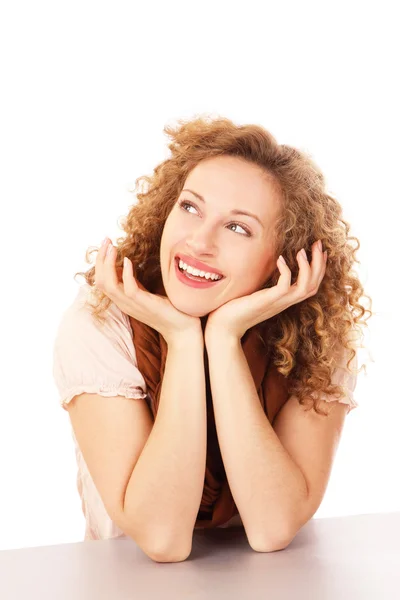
x=307, y=337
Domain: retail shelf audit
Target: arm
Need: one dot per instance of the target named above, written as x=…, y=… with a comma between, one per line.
x=268, y=487
x=164, y=492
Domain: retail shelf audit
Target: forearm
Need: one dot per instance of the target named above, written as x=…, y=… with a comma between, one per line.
x=267, y=486
x=166, y=486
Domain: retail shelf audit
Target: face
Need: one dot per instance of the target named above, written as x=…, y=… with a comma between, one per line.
x=238, y=246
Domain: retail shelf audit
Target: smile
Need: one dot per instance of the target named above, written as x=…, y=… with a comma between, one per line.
x=193, y=281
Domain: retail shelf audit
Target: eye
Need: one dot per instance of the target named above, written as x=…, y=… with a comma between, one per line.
x=184, y=203
x=245, y=229
x=247, y=232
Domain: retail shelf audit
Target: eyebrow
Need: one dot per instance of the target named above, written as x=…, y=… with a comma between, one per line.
x=234, y=211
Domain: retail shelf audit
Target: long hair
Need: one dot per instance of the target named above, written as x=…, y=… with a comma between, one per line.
x=307, y=337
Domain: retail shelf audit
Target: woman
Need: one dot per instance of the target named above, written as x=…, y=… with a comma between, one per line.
x=232, y=323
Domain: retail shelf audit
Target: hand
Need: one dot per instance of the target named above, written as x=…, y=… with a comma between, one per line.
x=151, y=309
x=238, y=315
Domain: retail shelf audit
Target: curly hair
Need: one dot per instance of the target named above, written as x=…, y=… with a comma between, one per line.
x=307, y=337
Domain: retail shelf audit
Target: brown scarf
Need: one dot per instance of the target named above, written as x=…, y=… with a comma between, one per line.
x=217, y=504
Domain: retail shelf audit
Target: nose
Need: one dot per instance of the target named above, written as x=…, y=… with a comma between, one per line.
x=201, y=240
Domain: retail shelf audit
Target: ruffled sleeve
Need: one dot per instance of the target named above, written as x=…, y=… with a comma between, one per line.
x=345, y=377
x=93, y=357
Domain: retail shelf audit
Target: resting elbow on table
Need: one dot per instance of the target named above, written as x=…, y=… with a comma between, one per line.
x=169, y=555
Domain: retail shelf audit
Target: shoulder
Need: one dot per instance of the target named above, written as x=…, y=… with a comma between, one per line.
x=78, y=322
x=93, y=356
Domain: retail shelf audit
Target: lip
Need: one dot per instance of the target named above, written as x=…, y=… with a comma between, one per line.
x=197, y=264
x=191, y=282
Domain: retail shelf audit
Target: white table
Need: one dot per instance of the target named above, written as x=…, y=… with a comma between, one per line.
x=341, y=558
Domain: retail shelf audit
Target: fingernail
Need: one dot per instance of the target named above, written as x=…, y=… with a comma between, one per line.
x=303, y=252
x=103, y=243
x=109, y=249
x=320, y=245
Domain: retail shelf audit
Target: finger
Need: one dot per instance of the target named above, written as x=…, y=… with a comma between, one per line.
x=304, y=276
x=99, y=273
x=318, y=267
x=106, y=277
x=110, y=281
x=285, y=278
x=130, y=284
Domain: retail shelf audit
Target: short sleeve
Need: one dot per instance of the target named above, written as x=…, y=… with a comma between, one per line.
x=345, y=377
x=94, y=357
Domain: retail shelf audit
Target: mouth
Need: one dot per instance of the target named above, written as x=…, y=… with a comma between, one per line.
x=192, y=280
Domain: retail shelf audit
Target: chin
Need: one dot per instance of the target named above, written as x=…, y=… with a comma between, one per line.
x=189, y=310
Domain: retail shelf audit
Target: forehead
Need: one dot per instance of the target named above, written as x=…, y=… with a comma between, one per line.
x=228, y=182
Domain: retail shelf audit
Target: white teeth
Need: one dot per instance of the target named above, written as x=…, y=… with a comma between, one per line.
x=213, y=276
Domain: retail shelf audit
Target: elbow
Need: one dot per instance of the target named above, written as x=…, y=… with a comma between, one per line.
x=159, y=545
x=170, y=555
x=271, y=546
x=272, y=543
x=167, y=552
x=156, y=546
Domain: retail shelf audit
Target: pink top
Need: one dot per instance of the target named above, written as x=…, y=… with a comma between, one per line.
x=102, y=361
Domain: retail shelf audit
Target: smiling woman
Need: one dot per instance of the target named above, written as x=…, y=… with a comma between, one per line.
x=249, y=350
x=211, y=241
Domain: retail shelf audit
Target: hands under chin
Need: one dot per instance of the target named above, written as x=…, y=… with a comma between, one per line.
x=235, y=317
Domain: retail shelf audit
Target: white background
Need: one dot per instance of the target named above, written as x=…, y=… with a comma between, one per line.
x=86, y=89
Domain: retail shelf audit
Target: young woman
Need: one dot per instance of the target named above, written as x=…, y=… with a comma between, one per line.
x=208, y=363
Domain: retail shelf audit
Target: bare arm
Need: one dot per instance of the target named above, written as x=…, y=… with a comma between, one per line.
x=267, y=485
x=165, y=489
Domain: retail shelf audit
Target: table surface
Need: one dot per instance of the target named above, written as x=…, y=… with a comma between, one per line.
x=354, y=557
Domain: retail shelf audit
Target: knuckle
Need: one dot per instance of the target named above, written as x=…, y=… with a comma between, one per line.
x=303, y=293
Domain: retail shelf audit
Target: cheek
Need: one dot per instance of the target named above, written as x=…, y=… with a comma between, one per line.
x=174, y=235
x=243, y=280
x=164, y=250
x=250, y=271
x=167, y=238
x=169, y=244
x=250, y=278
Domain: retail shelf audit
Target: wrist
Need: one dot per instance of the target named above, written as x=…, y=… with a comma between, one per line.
x=215, y=336
x=186, y=338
